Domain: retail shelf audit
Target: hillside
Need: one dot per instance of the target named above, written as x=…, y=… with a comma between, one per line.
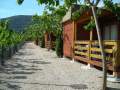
x=18, y=23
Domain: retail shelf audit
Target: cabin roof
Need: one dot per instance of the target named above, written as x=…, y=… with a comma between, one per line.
x=75, y=7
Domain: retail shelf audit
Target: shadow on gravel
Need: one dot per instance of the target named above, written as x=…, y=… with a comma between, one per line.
x=28, y=47
x=25, y=60
x=22, y=72
x=79, y=86
x=17, y=77
x=110, y=88
x=16, y=65
x=32, y=69
x=4, y=85
x=74, y=86
x=19, y=69
x=13, y=87
x=14, y=72
x=41, y=62
x=23, y=53
x=34, y=61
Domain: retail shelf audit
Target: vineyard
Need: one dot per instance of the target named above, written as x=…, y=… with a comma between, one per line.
x=10, y=41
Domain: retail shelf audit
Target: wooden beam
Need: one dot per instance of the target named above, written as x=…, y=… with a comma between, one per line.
x=80, y=48
x=74, y=36
x=82, y=42
x=110, y=43
x=98, y=50
x=96, y=56
x=89, y=49
x=73, y=41
x=95, y=63
x=80, y=53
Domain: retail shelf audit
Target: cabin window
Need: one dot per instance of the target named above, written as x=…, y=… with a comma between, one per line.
x=111, y=32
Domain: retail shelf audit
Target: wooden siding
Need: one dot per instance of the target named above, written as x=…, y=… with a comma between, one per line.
x=68, y=39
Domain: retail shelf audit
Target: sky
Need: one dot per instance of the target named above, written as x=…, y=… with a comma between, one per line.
x=29, y=7
x=11, y=8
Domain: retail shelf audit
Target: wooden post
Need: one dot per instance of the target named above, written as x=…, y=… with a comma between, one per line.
x=91, y=38
x=74, y=39
x=89, y=48
x=75, y=32
x=116, y=61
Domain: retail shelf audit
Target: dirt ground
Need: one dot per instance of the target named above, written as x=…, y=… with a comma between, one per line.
x=35, y=68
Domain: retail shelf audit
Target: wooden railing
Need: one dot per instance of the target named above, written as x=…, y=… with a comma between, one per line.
x=90, y=50
x=108, y=48
x=81, y=48
x=49, y=44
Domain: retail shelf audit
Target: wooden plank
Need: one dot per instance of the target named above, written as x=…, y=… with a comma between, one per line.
x=81, y=48
x=92, y=62
x=110, y=43
x=80, y=53
x=99, y=64
x=94, y=42
x=83, y=19
x=73, y=39
x=100, y=57
x=81, y=42
x=75, y=32
x=109, y=50
x=95, y=49
x=105, y=42
x=96, y=56
x=99, y=50
x=81, y=58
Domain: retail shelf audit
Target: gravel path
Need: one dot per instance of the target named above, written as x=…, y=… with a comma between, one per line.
x=34, y=68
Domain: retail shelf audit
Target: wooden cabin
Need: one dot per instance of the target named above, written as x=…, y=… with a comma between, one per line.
x=50, y=40
x=83, y=45
x=68, y=33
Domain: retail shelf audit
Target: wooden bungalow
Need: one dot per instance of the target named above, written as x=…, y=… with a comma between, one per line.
x=50, y=40
x=83, y=45
x=68, y=33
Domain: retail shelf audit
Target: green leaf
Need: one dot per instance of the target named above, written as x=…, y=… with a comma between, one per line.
x=20, y=2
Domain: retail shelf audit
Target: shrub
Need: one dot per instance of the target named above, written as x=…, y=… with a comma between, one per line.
x=42, y=42
x=59, y=47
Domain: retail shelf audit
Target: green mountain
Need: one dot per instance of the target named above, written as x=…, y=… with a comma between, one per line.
x=19, y=22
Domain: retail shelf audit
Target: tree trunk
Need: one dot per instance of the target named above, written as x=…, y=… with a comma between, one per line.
x=102, y=50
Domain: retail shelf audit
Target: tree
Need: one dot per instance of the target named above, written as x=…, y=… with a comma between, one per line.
x=93, y=5
x=68, y=3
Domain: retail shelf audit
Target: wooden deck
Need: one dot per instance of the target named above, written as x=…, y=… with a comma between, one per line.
x=90, y=52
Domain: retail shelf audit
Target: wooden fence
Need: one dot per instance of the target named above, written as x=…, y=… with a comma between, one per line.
x=90, y=52
x=50, y=44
